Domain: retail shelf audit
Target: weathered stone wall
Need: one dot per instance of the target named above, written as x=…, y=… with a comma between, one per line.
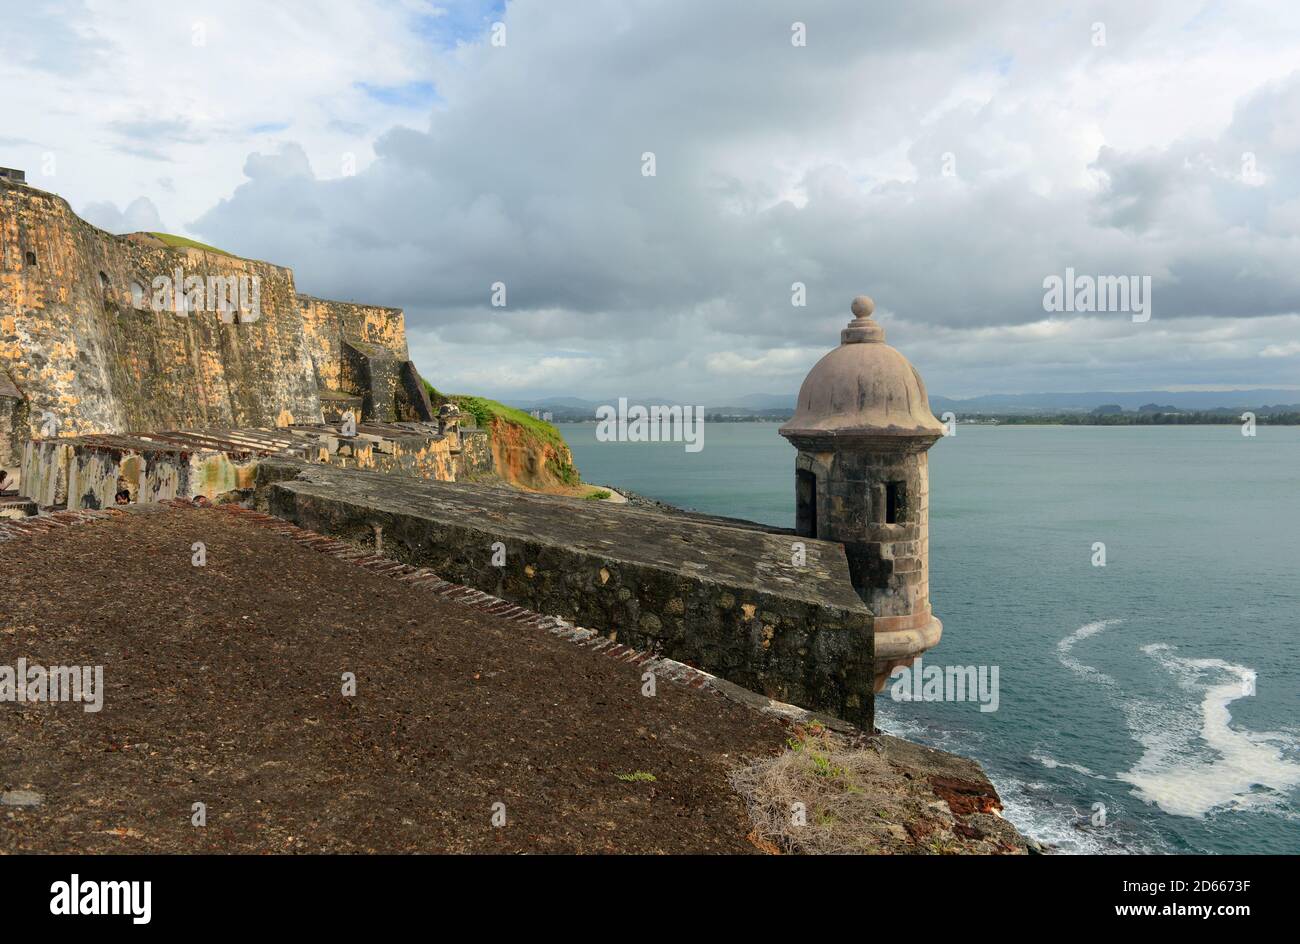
x=476, y=454
x=413, y=403
x=90, y=355
x=373, y=372
x=75, y=343
x=87, y=471
x=858, y=489
x=888, y=561
x=13, y=422
x=327, y=323
x=729, y=600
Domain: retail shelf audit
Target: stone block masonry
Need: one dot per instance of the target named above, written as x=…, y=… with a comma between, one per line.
x=89, y=471
x=13, y=419
x=371, y=368
x=728, y=600
x=88, y=360
x=328, y=323
x=83, y=350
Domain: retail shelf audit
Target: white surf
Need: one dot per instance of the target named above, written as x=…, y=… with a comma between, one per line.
x=1194, y=761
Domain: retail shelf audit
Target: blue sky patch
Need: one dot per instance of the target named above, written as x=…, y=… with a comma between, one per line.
x=408, y=95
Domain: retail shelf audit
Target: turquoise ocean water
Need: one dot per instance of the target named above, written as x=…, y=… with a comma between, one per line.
x=1122, y=687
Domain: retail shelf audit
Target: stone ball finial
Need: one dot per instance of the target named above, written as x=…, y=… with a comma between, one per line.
x=862, y=328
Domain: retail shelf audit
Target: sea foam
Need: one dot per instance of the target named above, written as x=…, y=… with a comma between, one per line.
x=1195, y=762
x=1065, y=651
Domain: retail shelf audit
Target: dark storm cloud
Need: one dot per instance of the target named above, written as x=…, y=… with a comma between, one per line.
x=927, y=159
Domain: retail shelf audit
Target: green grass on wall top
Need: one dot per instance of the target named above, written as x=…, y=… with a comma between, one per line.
x=484, y=409
x=182, y=242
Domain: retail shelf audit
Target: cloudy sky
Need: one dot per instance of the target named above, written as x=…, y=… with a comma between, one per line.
x=943, y=157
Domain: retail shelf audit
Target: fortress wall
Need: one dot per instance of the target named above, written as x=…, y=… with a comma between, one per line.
x=477, y=460
x=88, y=353
x=326, y=323
x=729, y=600
x=74, y=343
x=170, y=370
x=13, y=419
x=86, y=472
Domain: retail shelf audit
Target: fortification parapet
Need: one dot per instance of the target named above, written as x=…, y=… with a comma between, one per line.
x=104, y=334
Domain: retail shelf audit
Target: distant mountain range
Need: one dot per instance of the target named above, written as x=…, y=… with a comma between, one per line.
x=578, y=408
x=1133, y=400
x=997, y=403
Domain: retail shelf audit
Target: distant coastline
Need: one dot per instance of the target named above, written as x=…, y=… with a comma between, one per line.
x=1126, y=418
x=1212, y=418
x=1269, y=406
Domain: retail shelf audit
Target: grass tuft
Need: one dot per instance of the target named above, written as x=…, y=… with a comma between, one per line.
x=826, y=795
x=182, y=242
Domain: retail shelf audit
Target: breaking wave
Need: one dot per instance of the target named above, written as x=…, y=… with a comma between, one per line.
x=1195, y=762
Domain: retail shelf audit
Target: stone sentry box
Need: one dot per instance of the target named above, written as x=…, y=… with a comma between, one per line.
x=863, y=426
